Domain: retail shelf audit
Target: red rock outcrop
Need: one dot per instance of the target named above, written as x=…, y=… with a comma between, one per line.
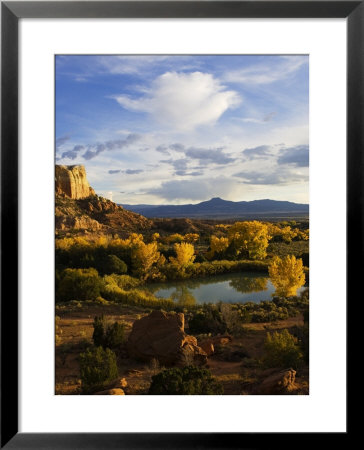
x=161, y=335
x=114, y=391
x=281, y=382
x=207, y=347
x=71, y=181
x=77, y=223
x=79, y=209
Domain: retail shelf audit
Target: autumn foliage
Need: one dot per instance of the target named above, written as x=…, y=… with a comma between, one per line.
x=145, y=259
x=249, y=239
x=184, y=256
x=287, y=275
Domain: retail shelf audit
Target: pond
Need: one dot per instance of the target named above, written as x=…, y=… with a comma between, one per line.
x=228, y=288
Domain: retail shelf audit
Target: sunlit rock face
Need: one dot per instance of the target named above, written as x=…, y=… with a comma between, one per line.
x=161, y=336
x=71, y=181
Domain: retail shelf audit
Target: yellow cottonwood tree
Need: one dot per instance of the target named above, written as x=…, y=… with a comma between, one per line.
x=184, y=256
x=217, y=245
x=288, y=234
x=250, y=239
x=144, y=259
x=176, y=237
x=287, y=275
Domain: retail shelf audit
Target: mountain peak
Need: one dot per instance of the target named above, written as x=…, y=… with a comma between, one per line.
x=216, y=200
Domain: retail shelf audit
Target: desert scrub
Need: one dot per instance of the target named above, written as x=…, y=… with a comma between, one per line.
x=303, y=339
x=97, y=367
x=106, y=334
x=281, y=350
x=58, y=331
x=222, y=317
x=279, y=308
x=189, y=380
x=208, y=319
x=231, y=318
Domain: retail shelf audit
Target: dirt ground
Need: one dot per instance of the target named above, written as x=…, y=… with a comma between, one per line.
x=235, y=365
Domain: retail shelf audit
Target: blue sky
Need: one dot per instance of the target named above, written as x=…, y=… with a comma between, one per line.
x=182, y=129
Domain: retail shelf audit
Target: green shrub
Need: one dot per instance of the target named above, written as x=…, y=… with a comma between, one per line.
x=200, y=258
x=306, y=316
x=97, y=367
x=281, y=350
x=305, y=343
x=189, y=380
x=207, y=320
x=302, y=335
x=107, y=335
x=122, y=281
x=114, y=335
x=80, y=284
x=113, y=264
x=99, y=332
x=205, y=268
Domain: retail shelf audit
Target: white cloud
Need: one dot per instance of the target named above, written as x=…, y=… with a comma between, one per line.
x=132, y=64
x=183, y=101
x=197, y=189
x=267, y=73
x=142, y=65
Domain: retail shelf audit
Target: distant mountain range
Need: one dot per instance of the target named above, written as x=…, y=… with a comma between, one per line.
x=219, y=208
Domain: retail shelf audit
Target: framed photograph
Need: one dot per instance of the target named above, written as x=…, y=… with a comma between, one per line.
x=177, y=178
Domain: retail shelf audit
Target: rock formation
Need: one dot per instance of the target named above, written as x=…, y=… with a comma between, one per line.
x=161, y=335
x=207, y=347
x=77, y=223
x=79, y=209
x=281, y=382
x=115, y=387
x=114, y=391
x=71, y=182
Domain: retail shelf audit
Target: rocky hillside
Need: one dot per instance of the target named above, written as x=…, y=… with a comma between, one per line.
x=79, y=209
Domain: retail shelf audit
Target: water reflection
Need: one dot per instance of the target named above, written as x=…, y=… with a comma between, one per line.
x=183, y=296
x=249, y=284
x=228, y=288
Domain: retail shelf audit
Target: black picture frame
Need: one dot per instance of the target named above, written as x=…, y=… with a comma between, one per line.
x=11, y=12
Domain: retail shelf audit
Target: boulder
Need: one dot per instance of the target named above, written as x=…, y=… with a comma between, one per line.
x=281, y=382
x=123, y=383
x=221, y=340
x=118, y=383
x=161, y=336
x=207, y=347
x=191, y=355
x=115, y=391
x=64, y=222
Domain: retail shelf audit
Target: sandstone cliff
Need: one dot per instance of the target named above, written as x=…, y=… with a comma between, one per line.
x=79, y=209
x=71, y=182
